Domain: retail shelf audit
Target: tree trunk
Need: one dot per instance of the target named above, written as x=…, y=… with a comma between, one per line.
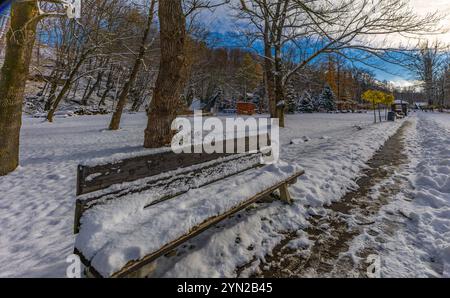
x=279, y=90
x=67, y=85
x=172, y=74
x=14, y=74
x=52, y=95
x=374, y=112
x=117, y=115
x=379, y=113
x=109, y=82
x=97, y=83
x=268, y=72
x=83, y=100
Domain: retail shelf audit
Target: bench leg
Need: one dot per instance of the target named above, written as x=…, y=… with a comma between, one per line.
x=285, y=196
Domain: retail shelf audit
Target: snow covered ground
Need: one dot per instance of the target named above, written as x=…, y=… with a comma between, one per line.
x=419, y=245
x=37, y=200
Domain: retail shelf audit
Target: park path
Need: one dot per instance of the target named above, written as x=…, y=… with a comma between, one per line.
x=332, y=234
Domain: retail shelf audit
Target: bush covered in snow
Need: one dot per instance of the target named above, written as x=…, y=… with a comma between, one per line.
x=306, y=103
x=327, y=100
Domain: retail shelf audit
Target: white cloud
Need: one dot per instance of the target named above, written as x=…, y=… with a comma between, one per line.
x=402, y=83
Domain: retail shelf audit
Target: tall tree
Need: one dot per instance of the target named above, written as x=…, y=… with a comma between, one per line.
x=19, y=46
x=249, y=74
x=426, y=63
x=172, y=74
x=117, y=115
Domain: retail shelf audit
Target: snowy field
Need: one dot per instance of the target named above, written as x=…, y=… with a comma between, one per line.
x=37, y=200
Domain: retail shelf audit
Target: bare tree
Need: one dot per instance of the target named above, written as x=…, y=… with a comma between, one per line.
x=427, y=63
x=115, y=121
x=95, y=35
x=319, y=27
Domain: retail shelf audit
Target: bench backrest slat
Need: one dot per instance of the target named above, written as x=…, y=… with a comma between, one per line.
x=94, y=178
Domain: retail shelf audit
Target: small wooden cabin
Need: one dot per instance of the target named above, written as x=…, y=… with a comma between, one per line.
x=246, y=108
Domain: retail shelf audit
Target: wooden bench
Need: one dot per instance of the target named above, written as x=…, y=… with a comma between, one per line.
x=159, y=178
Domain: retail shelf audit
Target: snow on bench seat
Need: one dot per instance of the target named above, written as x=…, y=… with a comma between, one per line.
x=117, y=232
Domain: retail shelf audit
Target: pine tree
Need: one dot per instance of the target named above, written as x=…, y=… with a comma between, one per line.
x=291, y=97
x=327, y=100
x=305, y=104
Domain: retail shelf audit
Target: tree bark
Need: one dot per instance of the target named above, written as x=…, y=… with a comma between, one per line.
x=14, y=74
x=374, y=112
x=379, y=113
x=83, y=100
x=278, y=28
x=269, y=77
x=117, y=115
x=52, y=95
x=172, y=74
x=279, y=90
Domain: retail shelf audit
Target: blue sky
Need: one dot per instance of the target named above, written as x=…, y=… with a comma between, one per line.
x=222, y=21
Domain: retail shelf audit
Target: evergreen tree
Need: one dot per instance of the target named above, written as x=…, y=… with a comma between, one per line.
x=327, y=100
x=306, y=104
x=291, y=99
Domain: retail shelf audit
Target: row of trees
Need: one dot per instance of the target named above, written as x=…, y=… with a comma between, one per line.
x=100, y=44
x=317, y=27
x=127, y=47
x=307, y=103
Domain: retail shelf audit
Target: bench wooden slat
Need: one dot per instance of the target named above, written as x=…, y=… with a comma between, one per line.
x=133, y=266
x=94, y=178
x=186, y=177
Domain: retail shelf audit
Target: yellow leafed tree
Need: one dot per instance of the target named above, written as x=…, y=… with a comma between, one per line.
x=376, y=98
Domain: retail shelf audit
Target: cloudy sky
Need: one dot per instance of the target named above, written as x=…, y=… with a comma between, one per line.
x=402, y=78
x=221, y=20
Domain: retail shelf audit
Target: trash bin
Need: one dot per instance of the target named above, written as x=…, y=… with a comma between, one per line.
x=392, y=116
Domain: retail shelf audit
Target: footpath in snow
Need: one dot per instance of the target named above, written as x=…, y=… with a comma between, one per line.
x=419, y=245
x=398, y=217
x=37, y=205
